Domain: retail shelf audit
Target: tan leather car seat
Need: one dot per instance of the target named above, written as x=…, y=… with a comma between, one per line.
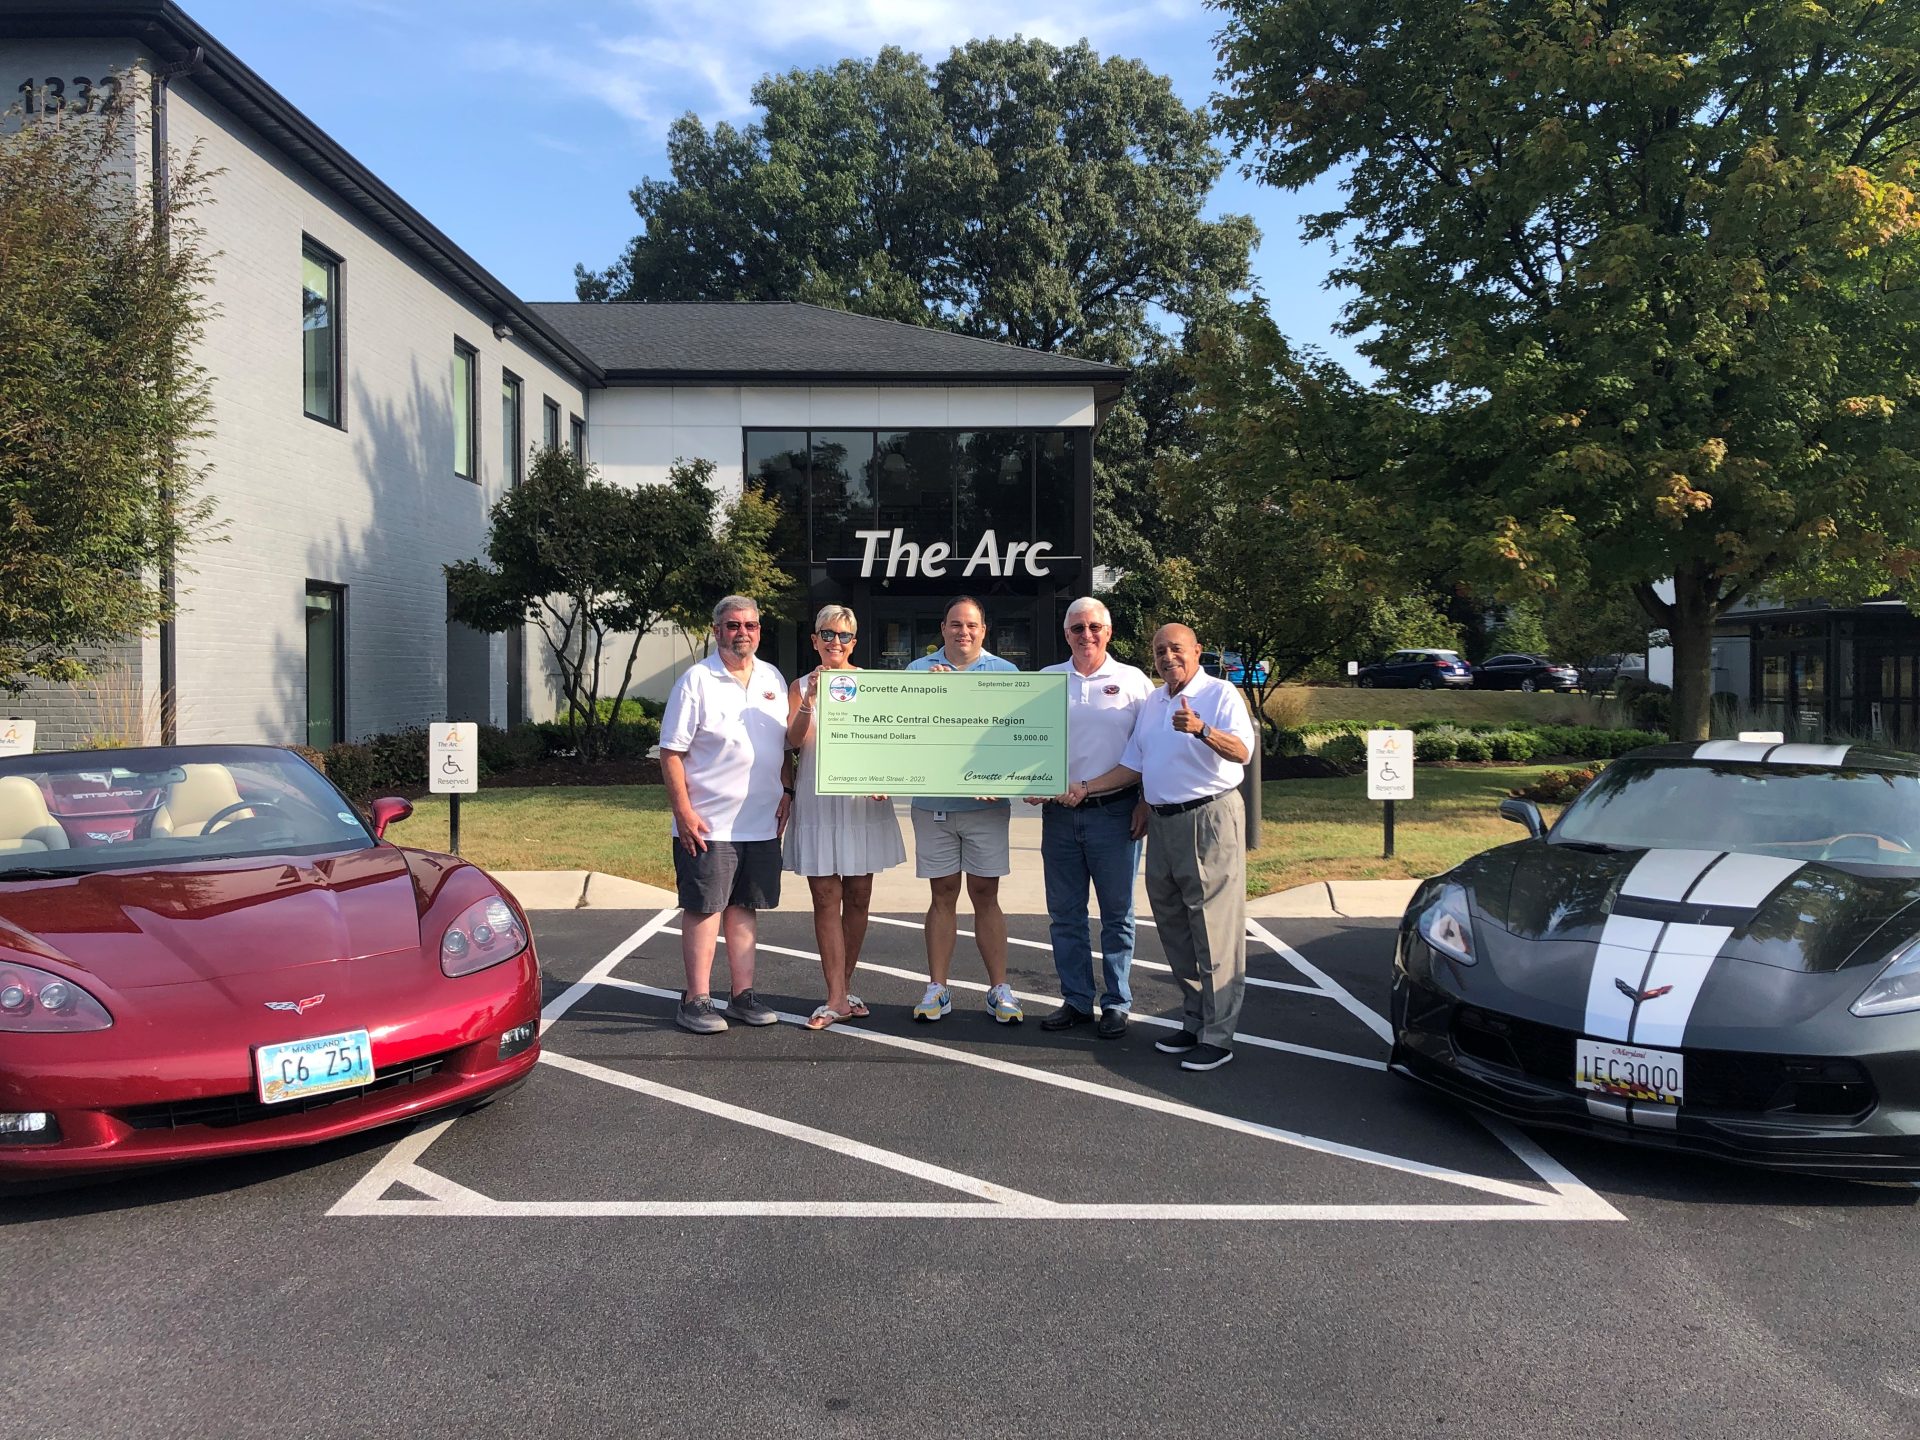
x=25, y=823
x=192, y=802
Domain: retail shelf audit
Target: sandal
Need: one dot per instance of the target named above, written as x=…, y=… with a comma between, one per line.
x=824, y=1016
x=856, y=1007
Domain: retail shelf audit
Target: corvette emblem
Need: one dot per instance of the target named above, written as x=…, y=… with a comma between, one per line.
x=295, y=1007
x=1633, y=994
x=1111, y=690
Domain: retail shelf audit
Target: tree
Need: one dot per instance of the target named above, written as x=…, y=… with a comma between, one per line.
x=101, y=403
x=1642, y=273
x=594, y=565
x=735, y=561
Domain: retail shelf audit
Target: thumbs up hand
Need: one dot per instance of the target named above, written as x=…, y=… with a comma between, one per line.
x=1184, y=720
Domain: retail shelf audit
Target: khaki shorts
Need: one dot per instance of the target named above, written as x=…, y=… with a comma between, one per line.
x=971, y=842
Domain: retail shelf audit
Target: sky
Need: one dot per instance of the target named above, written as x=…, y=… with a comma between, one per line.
x=519, y=126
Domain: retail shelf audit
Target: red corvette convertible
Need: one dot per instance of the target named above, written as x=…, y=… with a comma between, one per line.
x=206, y=951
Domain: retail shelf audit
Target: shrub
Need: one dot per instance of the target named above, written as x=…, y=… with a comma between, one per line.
x=1516, y=746
x=633, y=708
x=1622, y=741
x=1557, y=787
x=1442, y=742
x=1472, y=747
x=1647, y=703
x=504, y=750
x=1284, y=740
x=350, y=766
x=1349, y=752
x=312, y=756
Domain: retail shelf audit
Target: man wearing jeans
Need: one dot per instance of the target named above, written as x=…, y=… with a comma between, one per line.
x=723, y=740
x=963, y=836
x=1097, y=841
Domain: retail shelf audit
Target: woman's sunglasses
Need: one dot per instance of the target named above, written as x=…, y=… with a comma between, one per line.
x=834, y=637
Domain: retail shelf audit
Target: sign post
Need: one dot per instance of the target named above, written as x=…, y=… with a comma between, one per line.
x=453, y=768
x=16, y=737
x=1389, y=773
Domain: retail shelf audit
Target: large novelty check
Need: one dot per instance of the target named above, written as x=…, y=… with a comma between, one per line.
x=941, y=732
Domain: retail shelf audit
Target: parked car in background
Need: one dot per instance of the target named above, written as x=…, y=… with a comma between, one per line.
x=1524, y=672
x=1229, y=666
x=1417, y=670
x=1604, y=673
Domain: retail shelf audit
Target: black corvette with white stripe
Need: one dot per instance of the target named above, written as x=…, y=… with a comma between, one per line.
x=1716, y=948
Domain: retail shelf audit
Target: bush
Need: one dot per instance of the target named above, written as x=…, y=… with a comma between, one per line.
x=504, y=750
x=1470, y=747
x=1349, y=752
x=1557, y=787
x=1442, y=742
x=1515, y=746
x=1648, y=704
x=350, y=767
x=633, y=709
x=1283, y=740
x=312, y=756
x=1624, y=740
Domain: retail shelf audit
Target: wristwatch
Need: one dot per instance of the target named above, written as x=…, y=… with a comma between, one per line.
x=787, y=788
x=1205, y=730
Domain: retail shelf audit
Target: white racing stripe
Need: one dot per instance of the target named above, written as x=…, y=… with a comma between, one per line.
x=1751, y=751
x=1742, y=880
x=1666, y=874
x=1808, y=755
x=1685, y=955
x=1626, y=944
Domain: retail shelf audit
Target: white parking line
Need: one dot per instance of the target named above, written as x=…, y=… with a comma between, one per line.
x=572, y=996
x=1335, y=991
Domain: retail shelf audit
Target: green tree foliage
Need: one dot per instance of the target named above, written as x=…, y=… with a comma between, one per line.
x=1642, y=272
x=596, y=566
x=101, y=403
x=1277, y=502
x=1518, y=630
x=737, y=560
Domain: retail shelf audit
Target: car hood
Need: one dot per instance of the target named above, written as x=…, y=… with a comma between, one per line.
x=140, y=928
x=1806, y=916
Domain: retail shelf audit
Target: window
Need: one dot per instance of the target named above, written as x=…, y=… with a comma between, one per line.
x=320, y=332
x=513, y=446
x=466, y=411
x=326, y=665
x=550, y=426
x=777, y=463
x=577, y=435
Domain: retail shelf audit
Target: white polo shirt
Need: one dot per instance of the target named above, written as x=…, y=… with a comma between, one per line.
x=1174, y=766
x=732, y=738
x=1101, y=710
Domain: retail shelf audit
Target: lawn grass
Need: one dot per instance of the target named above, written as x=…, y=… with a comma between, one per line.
x=1320, y=704
x=1329, y=830
x=1314, y=829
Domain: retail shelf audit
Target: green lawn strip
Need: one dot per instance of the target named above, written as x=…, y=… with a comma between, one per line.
x=1329, y=830
x=1323, y=704
x=616, y=829
x=1315, y=829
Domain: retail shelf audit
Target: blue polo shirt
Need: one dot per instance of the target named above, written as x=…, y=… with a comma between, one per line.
x=987, y=661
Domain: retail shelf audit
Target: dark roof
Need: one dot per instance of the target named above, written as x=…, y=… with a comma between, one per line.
x=178, y=40
x=786, y=342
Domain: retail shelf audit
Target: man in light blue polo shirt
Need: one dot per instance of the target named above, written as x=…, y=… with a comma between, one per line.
x=963, y=835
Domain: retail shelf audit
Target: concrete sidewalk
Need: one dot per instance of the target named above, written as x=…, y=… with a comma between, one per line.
x=899, y=892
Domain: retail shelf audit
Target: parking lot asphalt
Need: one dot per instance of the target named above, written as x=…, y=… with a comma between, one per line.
x=960, y=1229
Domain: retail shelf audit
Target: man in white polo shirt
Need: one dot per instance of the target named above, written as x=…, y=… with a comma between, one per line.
x=1094, y=842
x=722, y=741
x=1189, y=750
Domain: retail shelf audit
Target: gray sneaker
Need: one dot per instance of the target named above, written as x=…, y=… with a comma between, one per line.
x=696, y=1014
x=745, y=1007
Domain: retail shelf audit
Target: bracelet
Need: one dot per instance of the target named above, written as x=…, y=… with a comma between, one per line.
x=806, y=709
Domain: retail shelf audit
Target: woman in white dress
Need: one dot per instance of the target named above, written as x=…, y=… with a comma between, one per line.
x=837, y=841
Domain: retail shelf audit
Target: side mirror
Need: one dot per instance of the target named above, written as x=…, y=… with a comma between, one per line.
x=391, y=809
x=1524, y=812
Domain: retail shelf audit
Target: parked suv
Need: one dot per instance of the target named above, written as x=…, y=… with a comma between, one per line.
x=1603, y=673
x=1418, y=670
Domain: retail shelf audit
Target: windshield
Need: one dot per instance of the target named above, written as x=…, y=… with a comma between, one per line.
x=76, y=812
x=1803, y=812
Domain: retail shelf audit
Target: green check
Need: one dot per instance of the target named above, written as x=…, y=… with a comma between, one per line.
x=941, y=732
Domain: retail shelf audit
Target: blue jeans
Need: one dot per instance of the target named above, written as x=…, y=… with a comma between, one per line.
x=1082, y=846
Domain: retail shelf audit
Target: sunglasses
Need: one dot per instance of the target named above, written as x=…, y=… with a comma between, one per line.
x=739, y=624
x=834, y=637
x=1090, y=627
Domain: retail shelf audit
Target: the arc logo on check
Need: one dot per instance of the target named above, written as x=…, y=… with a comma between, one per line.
x=843, y=687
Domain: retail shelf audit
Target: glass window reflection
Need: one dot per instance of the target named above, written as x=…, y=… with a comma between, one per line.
x=777, y=463
x=843, y=491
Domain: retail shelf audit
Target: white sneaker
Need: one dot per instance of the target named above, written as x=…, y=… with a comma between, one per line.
x=1003, y=1007
x=934, y=1004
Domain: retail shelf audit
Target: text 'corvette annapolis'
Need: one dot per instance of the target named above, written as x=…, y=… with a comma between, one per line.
x=1716, y=948
x=206, y=951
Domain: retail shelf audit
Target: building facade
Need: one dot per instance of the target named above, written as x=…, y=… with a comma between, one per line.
x=374, y=391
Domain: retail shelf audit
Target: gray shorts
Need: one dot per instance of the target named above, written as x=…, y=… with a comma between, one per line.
x=972, y=842
x=726, y=873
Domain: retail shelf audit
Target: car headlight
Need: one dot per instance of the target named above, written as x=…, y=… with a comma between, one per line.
x=484, y=934
x=34, y=1001
x=1896, y=988
x=1447, y=926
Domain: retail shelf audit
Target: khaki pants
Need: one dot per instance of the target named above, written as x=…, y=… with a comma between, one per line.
x=1197, y=885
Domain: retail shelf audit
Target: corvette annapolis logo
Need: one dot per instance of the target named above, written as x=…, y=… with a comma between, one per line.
x=1633, y=994
x=842, y=687
x=295, y=1007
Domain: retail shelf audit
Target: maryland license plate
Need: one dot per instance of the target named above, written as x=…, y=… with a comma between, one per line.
x=299, y=1069
x=1629, y=1072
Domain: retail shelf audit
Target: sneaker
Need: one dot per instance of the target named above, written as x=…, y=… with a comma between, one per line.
x=1177, y=1044
x=1206, y=1057
x=934, y=1004
x=1003, y=1007
x=1065, y=1018
x=696, y=1014
x=745, y=1007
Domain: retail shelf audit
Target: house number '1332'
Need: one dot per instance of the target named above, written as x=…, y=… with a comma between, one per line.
x=50, y=96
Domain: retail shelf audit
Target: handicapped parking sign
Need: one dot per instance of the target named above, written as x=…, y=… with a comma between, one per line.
x=453, y=757
x=16, y=736
x=1389, y=764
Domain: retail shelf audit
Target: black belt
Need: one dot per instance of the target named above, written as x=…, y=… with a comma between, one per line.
x=1180, y=807
x=1125, y=794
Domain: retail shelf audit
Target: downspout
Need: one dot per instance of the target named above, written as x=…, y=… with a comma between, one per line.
x=163, y=76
